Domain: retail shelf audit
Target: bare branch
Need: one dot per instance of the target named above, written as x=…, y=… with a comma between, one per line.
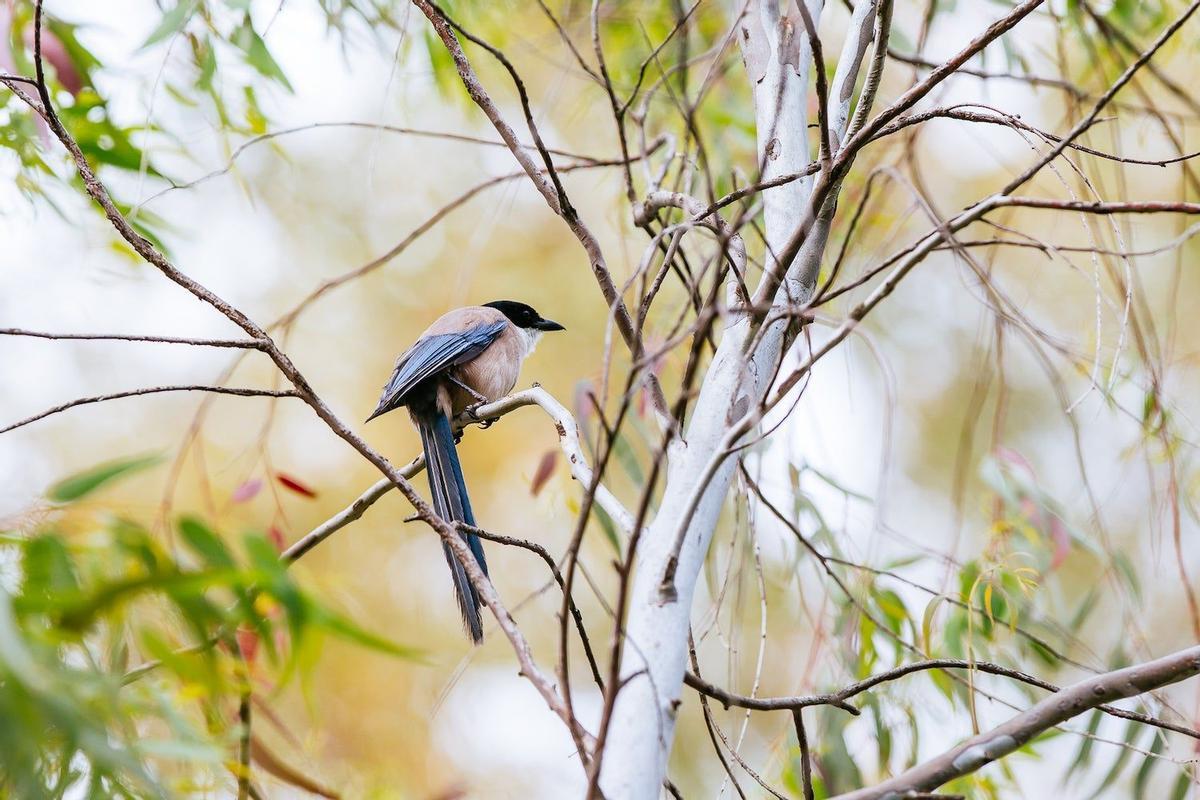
x=543, y=554
x=247, y=344
x=349, y=514
x=1102, y=207
x=728, y=699
x=100, y=398
x=1108, y=95
x=840, y=697
x=980, y=750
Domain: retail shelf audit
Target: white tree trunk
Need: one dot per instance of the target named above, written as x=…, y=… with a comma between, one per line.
x=655, y=654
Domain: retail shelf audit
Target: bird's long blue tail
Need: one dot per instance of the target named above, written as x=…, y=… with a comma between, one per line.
x=451, y=503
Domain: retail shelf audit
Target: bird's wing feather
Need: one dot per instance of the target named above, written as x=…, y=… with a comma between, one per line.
x=431, y=355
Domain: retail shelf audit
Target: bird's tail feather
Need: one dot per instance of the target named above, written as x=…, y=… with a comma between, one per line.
x=451, y=503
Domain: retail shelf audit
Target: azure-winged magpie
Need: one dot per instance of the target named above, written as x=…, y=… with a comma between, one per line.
x=467, y=357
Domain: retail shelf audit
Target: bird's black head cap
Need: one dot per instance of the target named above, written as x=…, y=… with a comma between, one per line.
x=524, y=316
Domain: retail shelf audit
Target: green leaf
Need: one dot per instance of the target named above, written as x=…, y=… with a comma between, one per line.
x=204, y=543
x=84, y=483
x=47, y=568
x=257, y=55
x=1084, y=756
x=1148, y=764
x=606, y=525
x=927, y=623
x=172, y=22
x=1132, y=729
x=206, y=62
x=628, y=460
x=345, y=628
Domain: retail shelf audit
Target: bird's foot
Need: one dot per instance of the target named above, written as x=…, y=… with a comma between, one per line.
x=472, y=413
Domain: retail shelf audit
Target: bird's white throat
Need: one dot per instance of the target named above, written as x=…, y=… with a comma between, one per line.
x=531, y=337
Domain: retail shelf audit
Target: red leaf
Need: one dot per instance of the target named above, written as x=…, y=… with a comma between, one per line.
x=277, y=539
x=296, y=486
x=55, y=54
x=247, y=490
x=545, y=469
x=1015, y=459
x=248, y=643
x=584, y=405
x=1062, y=542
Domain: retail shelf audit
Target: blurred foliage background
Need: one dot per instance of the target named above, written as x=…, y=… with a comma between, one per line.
x=246, y=138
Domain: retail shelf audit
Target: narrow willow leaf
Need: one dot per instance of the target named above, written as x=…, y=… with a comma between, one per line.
x=1148, y=764
x=172, y=22
x=1182, y=785
x=204, y=543
x=1084, y=756
x=257, y=55
x=927, y=624
x=607, y=525
x=345, y=628
x=1132, y=730
x=84, y=483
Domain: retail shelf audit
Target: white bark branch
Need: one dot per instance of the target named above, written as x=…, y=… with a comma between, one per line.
x=641, y=729
x=568, y=439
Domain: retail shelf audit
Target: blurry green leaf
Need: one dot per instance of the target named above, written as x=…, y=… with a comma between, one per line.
x=47, y=567
x=1182, y=784
x=954, y=633
x=828, y=480
x=84, y=483
x=205, y=56
x=246, y=39
x=76, y=612
x=895, y=613
x=345, y=628
x=1132, y=731
x=1085, y=609
x=1084, y=756
x=1148, y=764
x=172, y=22
x=927, y=624
x=609, y=528
x=206, y=544
x=1126, y=570
x=628, y=460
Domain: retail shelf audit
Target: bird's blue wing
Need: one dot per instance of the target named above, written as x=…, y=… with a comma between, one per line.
x=431, y=355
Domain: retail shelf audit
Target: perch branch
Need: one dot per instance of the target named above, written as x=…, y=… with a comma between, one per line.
x=568, y=436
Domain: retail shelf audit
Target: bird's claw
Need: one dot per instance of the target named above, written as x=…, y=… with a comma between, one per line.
x=472, y=413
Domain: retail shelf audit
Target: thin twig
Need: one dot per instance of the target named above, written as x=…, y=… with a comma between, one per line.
x=247, y=344
x=100, y=398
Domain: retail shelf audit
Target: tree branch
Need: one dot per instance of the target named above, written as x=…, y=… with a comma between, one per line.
x=100, y=398
x=980, y=750
x=840, y=697
x=247, y=344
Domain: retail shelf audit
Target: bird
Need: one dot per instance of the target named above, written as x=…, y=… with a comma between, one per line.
x=467, y=357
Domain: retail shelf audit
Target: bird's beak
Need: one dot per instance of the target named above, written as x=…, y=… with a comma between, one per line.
x=548, y=325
